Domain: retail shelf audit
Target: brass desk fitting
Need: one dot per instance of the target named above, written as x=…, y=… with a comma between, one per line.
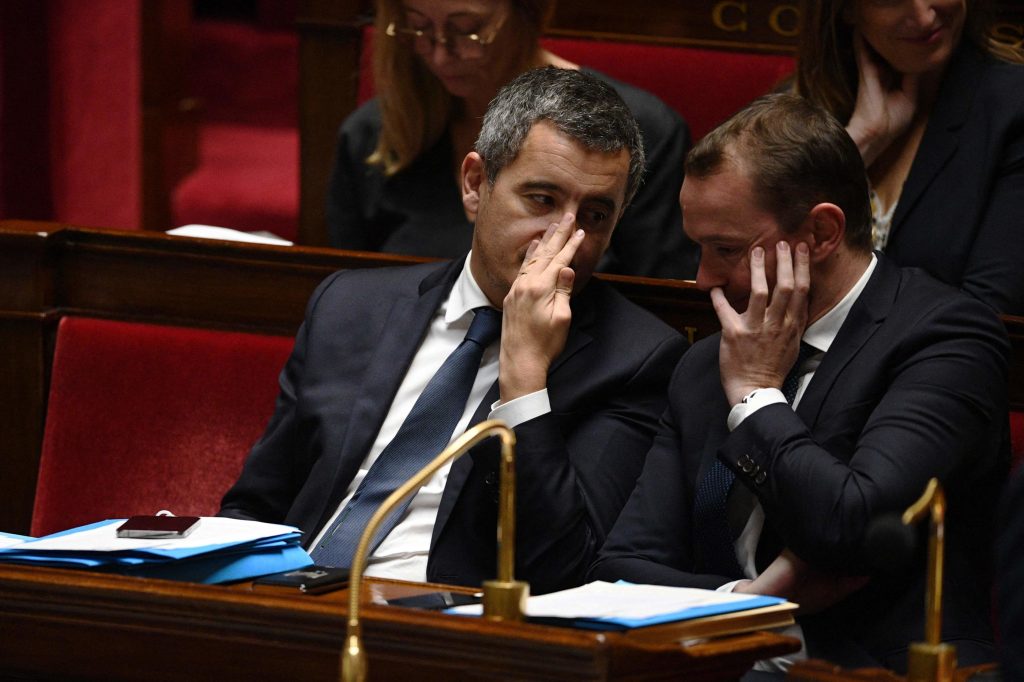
x=931, y=660
x=504, y=598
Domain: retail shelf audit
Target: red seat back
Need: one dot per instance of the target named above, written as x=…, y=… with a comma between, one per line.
x=705, y=86
x=146, y=417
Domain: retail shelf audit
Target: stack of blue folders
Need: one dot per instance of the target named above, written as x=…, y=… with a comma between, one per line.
x=219, y=550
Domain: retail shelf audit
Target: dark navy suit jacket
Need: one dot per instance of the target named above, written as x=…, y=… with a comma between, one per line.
x=914, y=386
x=960, y=215
x=575, y=466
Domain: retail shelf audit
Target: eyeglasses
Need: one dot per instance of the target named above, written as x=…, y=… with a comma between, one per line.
x=465, y=46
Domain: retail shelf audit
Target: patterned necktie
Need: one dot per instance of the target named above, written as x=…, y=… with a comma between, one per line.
x=710, y=520
x=422, y=436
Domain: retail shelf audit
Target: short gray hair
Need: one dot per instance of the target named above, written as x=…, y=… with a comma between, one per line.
x=579, y=105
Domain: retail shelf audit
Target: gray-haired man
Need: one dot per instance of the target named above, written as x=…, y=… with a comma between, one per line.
x=579, y=372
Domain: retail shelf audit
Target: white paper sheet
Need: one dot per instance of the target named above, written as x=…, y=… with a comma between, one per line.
x=212, y=530
x=618, y=601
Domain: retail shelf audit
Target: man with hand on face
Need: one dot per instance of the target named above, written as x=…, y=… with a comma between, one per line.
x=578, y=372
x=839, y=385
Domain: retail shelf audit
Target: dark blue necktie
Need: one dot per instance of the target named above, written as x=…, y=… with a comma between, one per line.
x=422, y=436
x=710, y=520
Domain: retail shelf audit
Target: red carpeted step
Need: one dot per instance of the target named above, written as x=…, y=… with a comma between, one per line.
x=247, y=179
x=248, y=175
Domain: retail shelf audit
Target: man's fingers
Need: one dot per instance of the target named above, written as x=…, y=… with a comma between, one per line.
x=563, y=258
x=784, y=282
x=758, y=284
x=528, y=259
x=566, y=277
x=801, y=284
x=727, y=316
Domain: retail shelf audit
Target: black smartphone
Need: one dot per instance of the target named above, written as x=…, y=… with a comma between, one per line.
x=311, y=580
x=435, y=601
x=157, y=527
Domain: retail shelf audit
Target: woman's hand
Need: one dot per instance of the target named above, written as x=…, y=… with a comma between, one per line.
x=883, y=111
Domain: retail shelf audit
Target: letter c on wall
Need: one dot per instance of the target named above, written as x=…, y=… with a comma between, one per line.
x=718, y=13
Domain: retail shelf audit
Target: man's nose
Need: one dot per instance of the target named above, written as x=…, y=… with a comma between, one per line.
x=707, y=277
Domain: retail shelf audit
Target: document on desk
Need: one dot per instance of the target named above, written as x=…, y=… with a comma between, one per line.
x=218, y=550
x=625, y=605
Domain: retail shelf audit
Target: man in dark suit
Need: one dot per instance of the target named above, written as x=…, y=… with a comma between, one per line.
x=839, y=385
x=582, y=381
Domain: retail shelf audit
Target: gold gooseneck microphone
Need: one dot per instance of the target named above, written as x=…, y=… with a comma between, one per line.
x=931, y=660
x=504, y=598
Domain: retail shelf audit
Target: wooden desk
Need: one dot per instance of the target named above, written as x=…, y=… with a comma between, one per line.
x=58, y=624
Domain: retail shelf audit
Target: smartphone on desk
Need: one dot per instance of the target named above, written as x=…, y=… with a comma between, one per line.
x=157, y=527
x=310, y=580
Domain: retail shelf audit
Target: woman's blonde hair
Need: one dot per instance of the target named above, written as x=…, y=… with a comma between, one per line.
x=415, y=108
x=826, y=65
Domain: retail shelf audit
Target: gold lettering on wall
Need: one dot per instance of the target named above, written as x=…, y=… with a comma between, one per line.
x=723, y=15
x=785, y=20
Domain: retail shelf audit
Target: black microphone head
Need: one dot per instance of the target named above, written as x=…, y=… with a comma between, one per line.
x=889, y=545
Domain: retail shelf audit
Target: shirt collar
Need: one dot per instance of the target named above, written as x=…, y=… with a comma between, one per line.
x=823, y=332
x=465, y=297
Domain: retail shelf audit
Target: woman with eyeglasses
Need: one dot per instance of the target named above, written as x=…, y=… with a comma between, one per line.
x=936, y=105
x=437, y=64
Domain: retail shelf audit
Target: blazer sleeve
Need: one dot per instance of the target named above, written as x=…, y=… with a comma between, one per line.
x=651, y=542
x=575, y=471
x=995, y=267
x=938, y=412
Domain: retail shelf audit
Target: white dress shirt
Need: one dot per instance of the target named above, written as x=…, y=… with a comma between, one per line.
x=820, y=335
x=402, y=555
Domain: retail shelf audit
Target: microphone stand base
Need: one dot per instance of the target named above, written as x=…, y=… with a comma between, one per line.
x=505, y=599
x=931, y=662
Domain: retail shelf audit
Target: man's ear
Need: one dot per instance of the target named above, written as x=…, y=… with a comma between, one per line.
x=825, y=226
x=473, y=178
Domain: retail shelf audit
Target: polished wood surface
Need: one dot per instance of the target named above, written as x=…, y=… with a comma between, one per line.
x=58, y=624
x=816, y=670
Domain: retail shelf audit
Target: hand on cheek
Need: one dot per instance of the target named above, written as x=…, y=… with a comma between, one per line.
x=759, y=346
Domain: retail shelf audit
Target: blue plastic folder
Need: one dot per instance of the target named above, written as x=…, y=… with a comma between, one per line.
x=220, y=551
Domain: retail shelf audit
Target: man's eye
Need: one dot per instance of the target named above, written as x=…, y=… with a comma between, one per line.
x=593, y=217
x=542, y=199
x=727, y=251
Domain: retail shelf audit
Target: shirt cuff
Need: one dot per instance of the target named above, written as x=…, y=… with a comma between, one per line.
x=728, y=587
x=751, y=403
x=522, y=409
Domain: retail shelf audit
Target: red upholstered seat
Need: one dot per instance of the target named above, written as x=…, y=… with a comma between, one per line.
x=146, y=417
x=705, y=86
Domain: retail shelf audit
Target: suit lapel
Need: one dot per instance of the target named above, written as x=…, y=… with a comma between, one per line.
x=407, y=323
x=583, y=315
x=942, y=136
x=865, y=317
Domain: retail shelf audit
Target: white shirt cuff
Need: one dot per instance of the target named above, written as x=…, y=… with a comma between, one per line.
x=522, y=409
x=751, y=403
x=728, y=587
